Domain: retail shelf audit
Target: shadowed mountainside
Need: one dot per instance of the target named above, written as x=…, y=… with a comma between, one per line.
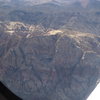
x=57, y=65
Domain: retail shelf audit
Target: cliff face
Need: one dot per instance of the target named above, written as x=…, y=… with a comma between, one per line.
x=57, y=65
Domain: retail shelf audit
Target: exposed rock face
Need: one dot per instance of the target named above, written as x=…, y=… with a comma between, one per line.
x=60, y=66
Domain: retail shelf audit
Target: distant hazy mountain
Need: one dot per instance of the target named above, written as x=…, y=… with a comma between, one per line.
x=84, y=3
x=54, y=14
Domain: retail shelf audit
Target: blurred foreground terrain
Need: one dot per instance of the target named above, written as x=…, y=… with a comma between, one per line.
x=50, y=50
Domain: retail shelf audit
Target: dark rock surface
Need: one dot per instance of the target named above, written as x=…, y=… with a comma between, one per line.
x=60, y=66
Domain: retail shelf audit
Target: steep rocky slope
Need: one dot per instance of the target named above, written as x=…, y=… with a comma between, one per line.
x=57, y=65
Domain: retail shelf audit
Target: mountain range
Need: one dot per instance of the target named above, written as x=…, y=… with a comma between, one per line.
x=50, y=49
